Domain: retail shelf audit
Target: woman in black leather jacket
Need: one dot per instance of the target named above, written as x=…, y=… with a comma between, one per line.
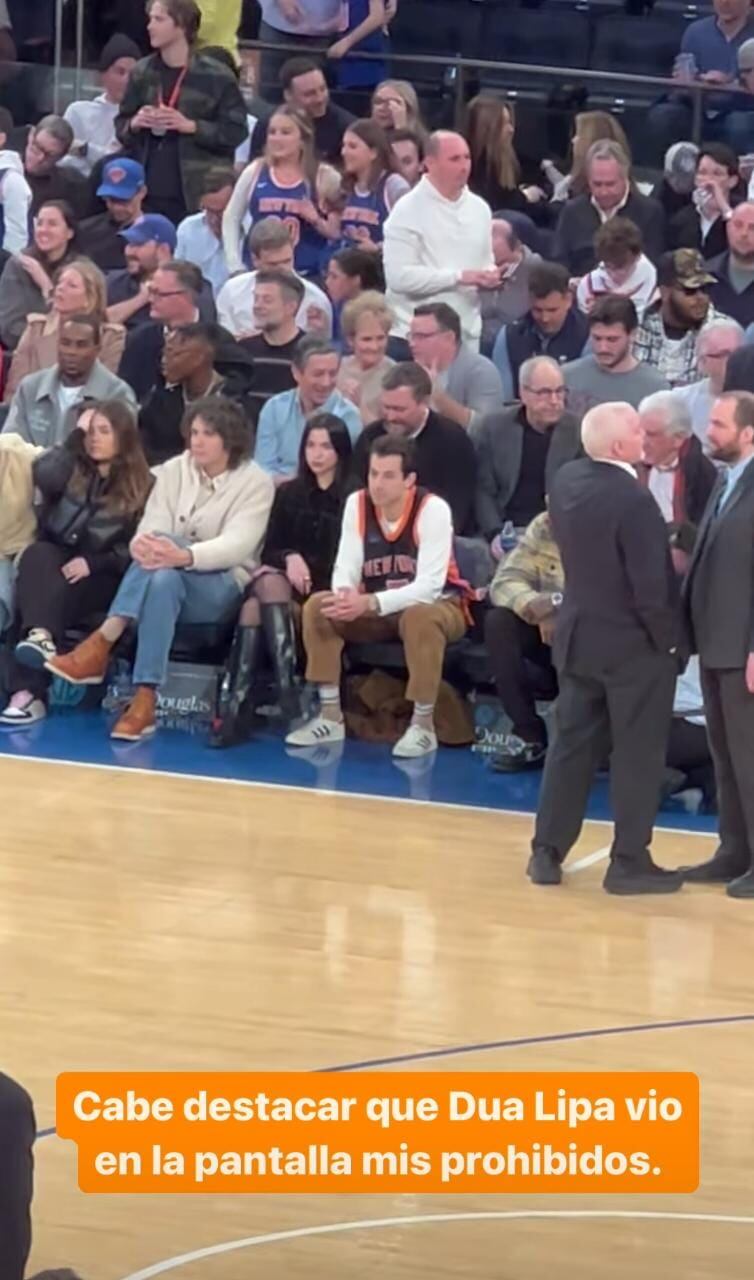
x=93, y=490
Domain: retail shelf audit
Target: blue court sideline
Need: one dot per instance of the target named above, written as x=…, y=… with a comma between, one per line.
x=456, y=776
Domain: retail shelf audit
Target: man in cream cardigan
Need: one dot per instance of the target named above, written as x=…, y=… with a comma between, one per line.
x=194, y=550
x=438, y=242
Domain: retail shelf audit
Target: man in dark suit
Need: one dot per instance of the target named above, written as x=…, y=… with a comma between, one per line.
x=445, y=457
x=17, y=1133
x=611, y=191
x=718, y=599
x=615, y=652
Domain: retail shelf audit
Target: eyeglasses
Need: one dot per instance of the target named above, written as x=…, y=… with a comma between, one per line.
x=542, y=392
x=691, y=289
x=45, y=152
x=164, y=293
x=420, y=337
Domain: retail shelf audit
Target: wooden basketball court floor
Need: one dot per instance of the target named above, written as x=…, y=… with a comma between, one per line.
x=153, y=922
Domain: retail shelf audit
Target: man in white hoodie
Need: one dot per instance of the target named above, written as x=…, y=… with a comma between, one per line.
x=15, y=193
x=438, y=241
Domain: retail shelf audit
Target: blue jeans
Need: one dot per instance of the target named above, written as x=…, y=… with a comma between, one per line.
x=157, y=599
x=7, y=592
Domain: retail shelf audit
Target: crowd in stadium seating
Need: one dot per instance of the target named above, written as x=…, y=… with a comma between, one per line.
x=272, y=311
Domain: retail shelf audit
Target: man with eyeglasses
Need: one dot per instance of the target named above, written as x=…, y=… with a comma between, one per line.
x=43, y=147
x=150, y=243
x=520, y=449
x=173, y=293
x=466, y=386
x=667, y=339
x=716, y=346
x=611, y=372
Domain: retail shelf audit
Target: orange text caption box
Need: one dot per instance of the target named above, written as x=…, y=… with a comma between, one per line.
x=482, y=1132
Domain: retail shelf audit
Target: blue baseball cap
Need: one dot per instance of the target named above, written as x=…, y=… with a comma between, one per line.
x=121, y=179
x=152, y=226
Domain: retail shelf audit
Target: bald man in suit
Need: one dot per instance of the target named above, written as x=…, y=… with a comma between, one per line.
x=615, y=651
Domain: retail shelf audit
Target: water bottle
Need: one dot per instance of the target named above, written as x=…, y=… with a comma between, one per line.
x=508, y=537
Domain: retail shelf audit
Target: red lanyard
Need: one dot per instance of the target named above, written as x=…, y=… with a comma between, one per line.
x=175, y=93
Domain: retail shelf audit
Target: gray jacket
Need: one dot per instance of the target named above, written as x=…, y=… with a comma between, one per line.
x=475, y=383
x=499, y=446
x=509, y=302
x=35, y=412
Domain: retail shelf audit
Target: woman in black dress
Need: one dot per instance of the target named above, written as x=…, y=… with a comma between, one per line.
x=297, y=559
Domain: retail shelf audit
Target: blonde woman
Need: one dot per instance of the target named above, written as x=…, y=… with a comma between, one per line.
x=395, y=105
x=289, y=183
x=590, y=127
x=366, y=324
x=78, y=289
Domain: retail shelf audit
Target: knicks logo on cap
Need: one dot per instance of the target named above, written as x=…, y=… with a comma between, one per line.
x=116, y=175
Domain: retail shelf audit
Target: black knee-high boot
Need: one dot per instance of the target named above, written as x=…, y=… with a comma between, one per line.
x=232, y=713
x=280, y=638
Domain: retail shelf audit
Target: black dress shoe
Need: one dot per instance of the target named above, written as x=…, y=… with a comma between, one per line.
x=624, y=877
x=544, y=866
x=720, y=869
x=743, y=887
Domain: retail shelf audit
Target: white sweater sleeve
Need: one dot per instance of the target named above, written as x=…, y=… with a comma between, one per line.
x=350, y=558
x=16, y=201
x=235, y=213
x=403, y=270
x=434, y=530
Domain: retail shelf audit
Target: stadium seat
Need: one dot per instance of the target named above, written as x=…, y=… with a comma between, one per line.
x=555, y=37
x=638, y=46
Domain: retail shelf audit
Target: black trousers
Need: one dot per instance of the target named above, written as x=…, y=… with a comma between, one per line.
x=17, y=1132
x=625, y=714
x=511, y=643
x=45, y=599
x=729, y=709
x=689, y=753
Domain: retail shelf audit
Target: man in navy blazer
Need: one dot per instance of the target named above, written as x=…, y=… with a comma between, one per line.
x=718, y=600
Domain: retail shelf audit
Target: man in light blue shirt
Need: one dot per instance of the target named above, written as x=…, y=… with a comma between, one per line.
x=200, y=236
x=281, y=423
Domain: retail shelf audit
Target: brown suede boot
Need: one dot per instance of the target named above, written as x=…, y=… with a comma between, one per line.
x=138, y=719
x=86, y=664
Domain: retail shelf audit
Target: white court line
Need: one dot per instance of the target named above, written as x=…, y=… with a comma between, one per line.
x=372, y=1224
x=319, y=791
x=589, y=860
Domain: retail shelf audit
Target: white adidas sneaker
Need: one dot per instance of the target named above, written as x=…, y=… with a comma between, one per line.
x=316, y=732
x=415, y=742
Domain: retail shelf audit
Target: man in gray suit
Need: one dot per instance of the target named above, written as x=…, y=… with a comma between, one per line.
x=719, y=612
x=520, y=449
x=46, y=405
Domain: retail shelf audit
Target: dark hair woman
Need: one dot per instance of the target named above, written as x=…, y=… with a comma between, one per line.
x=371, y=184
x=195, y=549
x=297, y=558
x=26, y=284
x=93, y=490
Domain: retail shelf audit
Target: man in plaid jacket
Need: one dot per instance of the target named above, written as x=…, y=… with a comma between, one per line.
x=182, y=112
x=526, y=592
x=667, y=337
